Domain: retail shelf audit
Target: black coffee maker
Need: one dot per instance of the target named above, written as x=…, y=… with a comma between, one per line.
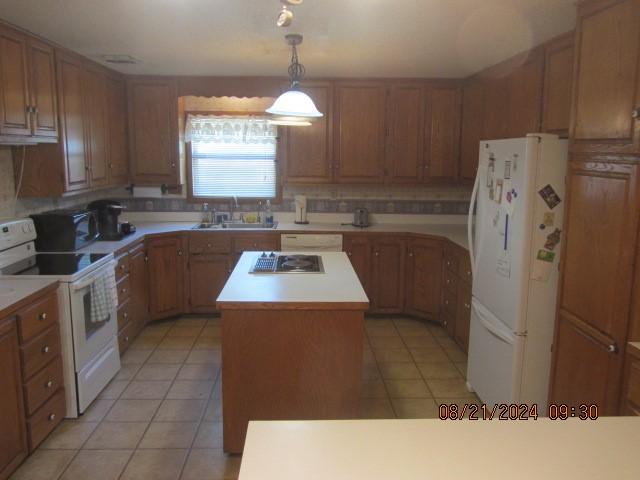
x=108, y=212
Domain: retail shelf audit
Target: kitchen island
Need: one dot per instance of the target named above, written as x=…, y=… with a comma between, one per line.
x=291, y=345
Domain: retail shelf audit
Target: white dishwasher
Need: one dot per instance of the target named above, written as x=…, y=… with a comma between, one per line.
x=310, y=242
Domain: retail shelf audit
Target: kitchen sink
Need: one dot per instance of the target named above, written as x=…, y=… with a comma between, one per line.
x=234, y=226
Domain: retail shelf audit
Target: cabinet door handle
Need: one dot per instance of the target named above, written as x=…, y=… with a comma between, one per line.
x=45, y=349
x=467, y=306
x=42, y=316
x=613, y=348
x=179, y=253
x=126, y=339
x=49, y=384
x=377, y=254
x=411, y=254
x=51, y=417
x=636, y=113
x=350, y=254
x=125, y=315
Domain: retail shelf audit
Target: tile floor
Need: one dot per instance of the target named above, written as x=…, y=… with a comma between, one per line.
x=160, y=418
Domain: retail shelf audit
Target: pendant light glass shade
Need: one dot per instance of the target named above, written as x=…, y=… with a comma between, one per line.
x=294, y=107
x=294, y=103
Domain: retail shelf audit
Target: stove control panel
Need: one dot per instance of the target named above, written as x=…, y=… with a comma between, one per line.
x=16, y=232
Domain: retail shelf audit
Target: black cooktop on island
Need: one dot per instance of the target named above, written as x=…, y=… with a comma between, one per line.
x=273, y=263
x=63, y=264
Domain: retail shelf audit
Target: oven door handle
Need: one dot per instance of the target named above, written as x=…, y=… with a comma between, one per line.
x=88, y=281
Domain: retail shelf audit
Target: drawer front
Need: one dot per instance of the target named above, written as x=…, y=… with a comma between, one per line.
x=125, y=338
x=43, y=385
x=46, y=419
x=449, y=303
x=124, y=289
x=124, y=314
x=450, y=260
x=40, y=351
x=210, y=243
x=450, y=281
x=255, y=243
x=633, y=389
x=35, y=319
x=122, y=268
x=464, y=269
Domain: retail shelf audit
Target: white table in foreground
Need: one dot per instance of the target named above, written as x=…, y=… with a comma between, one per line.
x=607, y=448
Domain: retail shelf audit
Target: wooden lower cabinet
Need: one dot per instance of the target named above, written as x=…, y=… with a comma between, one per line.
x=13, y=440
x=167, y=276
x=455, y=302
x=423, y=278
x=207, y=275
x=358, y=249
x=139, y=284
x=387, y=282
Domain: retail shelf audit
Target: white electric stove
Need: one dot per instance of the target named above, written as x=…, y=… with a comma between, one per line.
x=88, y=334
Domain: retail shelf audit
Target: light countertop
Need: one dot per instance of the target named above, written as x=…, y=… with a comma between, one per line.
x=338, y=287
x=456, y=233
x=443, y=450
x=636, y=347
x=14, y=290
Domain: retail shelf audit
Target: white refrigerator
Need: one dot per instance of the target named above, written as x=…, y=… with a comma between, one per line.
x=514, y=245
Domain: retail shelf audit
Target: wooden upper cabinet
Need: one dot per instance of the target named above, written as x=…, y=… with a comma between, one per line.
x=309, y=156
x=153, y=131
x=496, y=108
x=594, y=301
x=404, y=149
x=472, y=128
x=360, y=132
x=95, y=101
x=525, y=96
x=117, y=128
x=423, y=283
x=71, y=79
x=42, y=87
x=606, y=87
x=13, y=441
x=15, y=117
x=558, y=74
x=442, y=133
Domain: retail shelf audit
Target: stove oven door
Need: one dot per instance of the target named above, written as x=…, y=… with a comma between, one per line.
x=93, y=314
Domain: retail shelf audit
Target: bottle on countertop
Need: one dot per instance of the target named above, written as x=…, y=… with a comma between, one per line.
x=268, y=214
x=260, y=216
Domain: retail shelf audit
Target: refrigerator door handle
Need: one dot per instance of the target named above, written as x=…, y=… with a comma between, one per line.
x=472, y=206
x=490, y=327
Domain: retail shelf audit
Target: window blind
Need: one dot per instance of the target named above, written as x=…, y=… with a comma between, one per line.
x=232, y=157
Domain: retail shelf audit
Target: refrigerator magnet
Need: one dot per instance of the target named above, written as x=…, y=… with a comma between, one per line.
x=542, y=265
x=549, y=196
x=545, y=256
x=553, y=239
x=507, y=169
x=548, y=219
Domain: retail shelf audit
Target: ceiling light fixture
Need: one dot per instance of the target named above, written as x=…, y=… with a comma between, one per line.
x=294, y=106
x=285, y=17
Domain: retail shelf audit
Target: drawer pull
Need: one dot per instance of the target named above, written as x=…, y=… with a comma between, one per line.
x=208, y=245
x=613, y=348
x=43, y=316
x=49, y=384
x=125, y=315
x=51, y=417
x=446, y=302
x=126, y=339
x=45, y=349
x=467, y=306
x=123, y=291
x=411, y=254
x=121, y=267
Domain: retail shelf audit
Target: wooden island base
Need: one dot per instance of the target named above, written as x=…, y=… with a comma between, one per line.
x=280, y=364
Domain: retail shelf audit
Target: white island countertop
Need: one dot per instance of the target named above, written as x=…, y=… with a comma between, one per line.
x=606, y=448
x=338, y=287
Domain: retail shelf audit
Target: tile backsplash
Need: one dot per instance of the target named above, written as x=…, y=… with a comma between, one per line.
x=408, y=199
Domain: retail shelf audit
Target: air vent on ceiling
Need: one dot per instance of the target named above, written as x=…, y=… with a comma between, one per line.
x=121, y=59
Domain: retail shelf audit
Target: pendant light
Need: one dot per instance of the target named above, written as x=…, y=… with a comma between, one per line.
x=294, y=107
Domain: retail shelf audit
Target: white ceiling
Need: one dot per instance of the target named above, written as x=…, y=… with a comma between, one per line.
x=343, y=38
